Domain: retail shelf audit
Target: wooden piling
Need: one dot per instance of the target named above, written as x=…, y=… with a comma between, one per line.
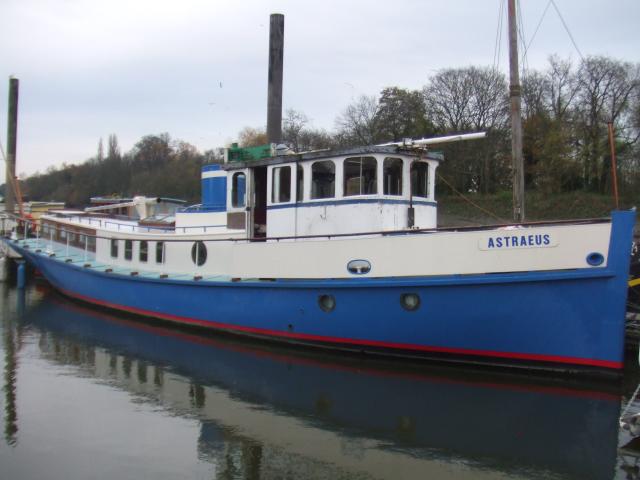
x=274, y=101
x=12, y=140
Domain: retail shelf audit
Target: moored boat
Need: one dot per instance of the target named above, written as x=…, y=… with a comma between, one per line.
x=341, y=249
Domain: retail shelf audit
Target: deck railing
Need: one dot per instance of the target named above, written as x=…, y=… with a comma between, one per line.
x=58, y=243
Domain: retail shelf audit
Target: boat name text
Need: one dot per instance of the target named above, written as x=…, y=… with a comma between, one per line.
x=517, y=240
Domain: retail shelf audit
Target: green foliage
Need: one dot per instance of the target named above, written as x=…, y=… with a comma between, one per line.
x=155, y=166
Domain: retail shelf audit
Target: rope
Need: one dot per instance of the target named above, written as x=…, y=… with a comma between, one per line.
x=631, y=400
x=491, y=214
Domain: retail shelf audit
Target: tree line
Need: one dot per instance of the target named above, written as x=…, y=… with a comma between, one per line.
x=566, y=109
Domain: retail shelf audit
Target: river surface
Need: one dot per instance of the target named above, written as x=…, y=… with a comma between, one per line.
x=87, y=394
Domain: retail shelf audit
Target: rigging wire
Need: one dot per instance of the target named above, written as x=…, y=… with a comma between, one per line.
x=498, y=44
x=467, y=199
x=567, y=29
x=520, y=23
x=526, y=50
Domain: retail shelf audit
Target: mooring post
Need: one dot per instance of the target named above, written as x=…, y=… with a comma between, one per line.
x=12, y=140
x=274, y=102
x=22, y=273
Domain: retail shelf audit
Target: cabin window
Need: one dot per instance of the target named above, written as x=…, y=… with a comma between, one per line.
x=392, y=176
x=199, y=253
x=420, y=179
x=91, y=244
x=144, y=251
x=63, y=234
x=360, y=176
x=114, y=248
x=300, y=183
x=323, y=179
x=159, y=252
x=238, y=190
x=281, y=185
x=128, y=249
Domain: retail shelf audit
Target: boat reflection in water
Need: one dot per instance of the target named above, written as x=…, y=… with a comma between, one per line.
x=267, y=412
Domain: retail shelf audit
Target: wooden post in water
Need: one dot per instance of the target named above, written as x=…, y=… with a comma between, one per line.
x=274, y=101
x=12, y=140
x=516, y=117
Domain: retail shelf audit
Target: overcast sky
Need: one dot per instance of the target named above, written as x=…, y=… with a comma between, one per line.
x=197, y=69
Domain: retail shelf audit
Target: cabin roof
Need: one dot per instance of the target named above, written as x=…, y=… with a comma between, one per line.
x=322, y=154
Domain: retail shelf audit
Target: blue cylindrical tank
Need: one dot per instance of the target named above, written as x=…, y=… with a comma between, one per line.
x=214, y=188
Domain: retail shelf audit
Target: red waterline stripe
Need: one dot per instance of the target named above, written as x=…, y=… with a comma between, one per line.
x=346, y=341
x=332, y=365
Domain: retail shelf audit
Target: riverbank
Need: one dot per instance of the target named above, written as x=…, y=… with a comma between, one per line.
x=478, y=209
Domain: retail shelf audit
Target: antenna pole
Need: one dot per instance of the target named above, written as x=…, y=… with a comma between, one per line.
x=614, y=168
x=516, y=117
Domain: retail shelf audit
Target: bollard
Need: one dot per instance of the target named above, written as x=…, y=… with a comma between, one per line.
x=4, y=267
x=22, y=273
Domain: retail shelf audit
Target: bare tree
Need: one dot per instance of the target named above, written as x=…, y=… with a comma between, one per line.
x=472, y=99
x=293, y=125
x=113, y=151
x=606, y=90
x=357, y=125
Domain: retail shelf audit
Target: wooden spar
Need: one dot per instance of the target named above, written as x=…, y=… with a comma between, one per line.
x=12, y=138
x=435, y=140
x=274, y=100
x=516, y=117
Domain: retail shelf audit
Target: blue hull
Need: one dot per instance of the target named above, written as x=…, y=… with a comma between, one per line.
x=549, y=428
x=564, y=319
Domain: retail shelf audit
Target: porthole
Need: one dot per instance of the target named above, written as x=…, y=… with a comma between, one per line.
x=359, y=267
x=327, y=303
x=199, y=253
x=410, y=301
x=594, y=259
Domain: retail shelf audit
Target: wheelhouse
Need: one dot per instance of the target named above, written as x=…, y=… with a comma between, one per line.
x=373, y=189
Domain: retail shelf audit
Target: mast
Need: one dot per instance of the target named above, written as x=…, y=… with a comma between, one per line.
x=516, y=117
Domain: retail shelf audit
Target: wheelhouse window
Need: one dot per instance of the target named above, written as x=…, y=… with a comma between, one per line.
x=323, y=179
x=159, y=252
x=128, y=249
x=300, y=183
x=114, y=248
x=143, y=254
x=420, y=179
x=281, y=185
x=392, y=176
x=360, y=176
x=238, y=189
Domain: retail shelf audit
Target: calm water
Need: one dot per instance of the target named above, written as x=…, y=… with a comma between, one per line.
x=92, y=395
